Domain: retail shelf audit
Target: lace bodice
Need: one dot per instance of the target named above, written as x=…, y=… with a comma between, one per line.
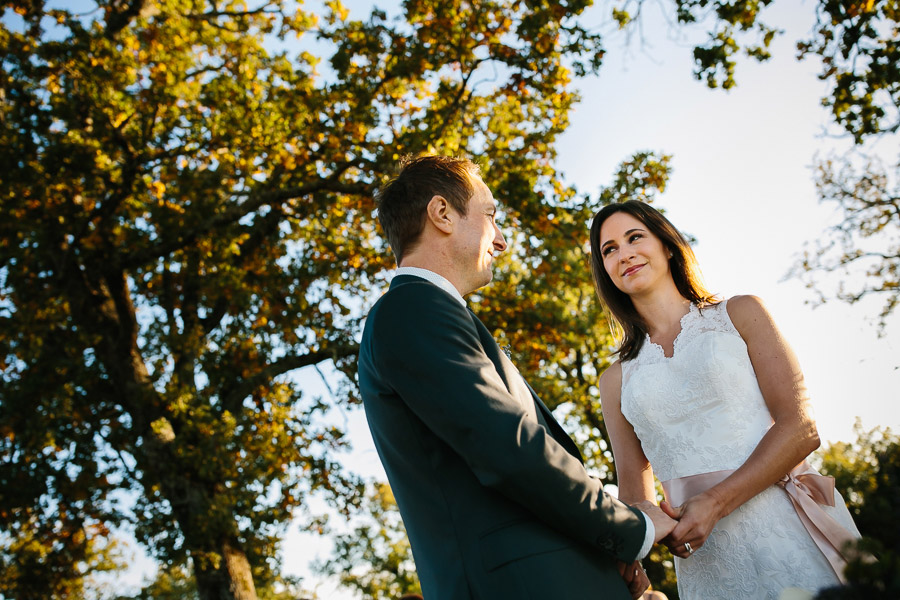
x=700, y=410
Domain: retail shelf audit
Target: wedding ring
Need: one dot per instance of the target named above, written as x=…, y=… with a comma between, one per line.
x=687, y=546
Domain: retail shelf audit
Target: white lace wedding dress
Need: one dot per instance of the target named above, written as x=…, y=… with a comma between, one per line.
x=701, y=411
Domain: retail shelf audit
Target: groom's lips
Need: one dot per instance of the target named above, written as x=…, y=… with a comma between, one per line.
x=632, y=270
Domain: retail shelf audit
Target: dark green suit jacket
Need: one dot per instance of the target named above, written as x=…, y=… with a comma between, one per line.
x=493, y=493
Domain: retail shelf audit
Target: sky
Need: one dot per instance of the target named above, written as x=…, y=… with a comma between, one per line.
x=742, y=186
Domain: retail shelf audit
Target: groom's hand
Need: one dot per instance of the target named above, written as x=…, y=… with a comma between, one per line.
x=635, y=578
x=661, y=521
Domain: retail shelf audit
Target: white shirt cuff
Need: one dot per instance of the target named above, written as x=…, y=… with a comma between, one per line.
x=649, y=535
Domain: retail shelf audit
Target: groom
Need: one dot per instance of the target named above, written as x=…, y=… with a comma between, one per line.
x=493, y=493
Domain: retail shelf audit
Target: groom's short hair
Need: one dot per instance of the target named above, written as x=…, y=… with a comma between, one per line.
x=402, y=200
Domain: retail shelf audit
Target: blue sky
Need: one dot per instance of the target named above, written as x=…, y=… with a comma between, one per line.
x=743, y=186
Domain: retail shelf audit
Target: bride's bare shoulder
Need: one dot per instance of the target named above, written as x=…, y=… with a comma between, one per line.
x=611, y=381
x=748, y=311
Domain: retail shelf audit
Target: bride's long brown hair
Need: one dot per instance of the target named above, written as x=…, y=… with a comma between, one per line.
x=683, y=265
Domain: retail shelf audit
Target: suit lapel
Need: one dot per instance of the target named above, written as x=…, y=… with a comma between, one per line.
x=550, y=422
x=520, y=389
x=507, y=371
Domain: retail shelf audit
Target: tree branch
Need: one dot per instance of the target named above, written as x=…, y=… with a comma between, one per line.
x=259, y=234
x=234, y=214
x=215, y=14
x=289, y=363
x=116, y=21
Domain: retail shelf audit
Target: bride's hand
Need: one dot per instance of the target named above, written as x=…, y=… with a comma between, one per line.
x=696, y=519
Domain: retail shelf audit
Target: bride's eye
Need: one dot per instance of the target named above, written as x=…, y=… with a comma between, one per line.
x=635, y=236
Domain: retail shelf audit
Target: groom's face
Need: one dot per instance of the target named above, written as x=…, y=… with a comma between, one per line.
x=477, y=239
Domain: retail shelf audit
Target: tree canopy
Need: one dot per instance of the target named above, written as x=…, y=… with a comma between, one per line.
x=867, y=472
x=187, y=220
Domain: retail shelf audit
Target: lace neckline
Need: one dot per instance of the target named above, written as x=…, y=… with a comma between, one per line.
x=683, y=323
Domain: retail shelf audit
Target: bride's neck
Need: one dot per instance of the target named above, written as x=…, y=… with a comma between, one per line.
x=662, y=311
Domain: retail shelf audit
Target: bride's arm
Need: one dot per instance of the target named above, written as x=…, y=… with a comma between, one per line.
x=790, y=439
x=633, y=471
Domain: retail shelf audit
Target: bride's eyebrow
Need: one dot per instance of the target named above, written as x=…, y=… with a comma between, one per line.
x=627, y=233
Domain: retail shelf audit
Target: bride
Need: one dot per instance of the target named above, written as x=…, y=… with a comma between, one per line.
x=708, y=396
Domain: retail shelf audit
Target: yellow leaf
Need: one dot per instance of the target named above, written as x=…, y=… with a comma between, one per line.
x=339, y=9
x=158, y=188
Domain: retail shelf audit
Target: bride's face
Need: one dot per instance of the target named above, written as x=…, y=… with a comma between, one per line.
x=633, y=257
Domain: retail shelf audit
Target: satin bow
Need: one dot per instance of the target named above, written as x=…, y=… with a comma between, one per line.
x=808, y=491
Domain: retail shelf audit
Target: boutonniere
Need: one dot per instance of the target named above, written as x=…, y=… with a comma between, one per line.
x=506, y=351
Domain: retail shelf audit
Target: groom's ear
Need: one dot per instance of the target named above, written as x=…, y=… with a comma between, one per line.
x=440, y=214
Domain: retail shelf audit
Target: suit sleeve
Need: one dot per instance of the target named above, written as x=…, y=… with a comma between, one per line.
x=429, y=352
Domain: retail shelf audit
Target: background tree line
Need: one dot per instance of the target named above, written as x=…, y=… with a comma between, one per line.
x=186, y=220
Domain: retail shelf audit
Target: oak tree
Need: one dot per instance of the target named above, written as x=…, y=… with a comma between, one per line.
x=186, y=220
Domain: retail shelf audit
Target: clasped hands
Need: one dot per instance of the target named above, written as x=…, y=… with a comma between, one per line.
x=684, y=529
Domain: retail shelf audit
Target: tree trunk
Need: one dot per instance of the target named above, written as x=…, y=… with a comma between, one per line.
x=106, y=308
x=239, y=572
x=232, y=580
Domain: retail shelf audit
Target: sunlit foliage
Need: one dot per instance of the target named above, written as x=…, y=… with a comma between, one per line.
x=867, y=472
x=186, y=220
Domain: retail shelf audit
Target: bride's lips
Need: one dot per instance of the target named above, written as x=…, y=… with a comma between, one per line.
x=632, y=270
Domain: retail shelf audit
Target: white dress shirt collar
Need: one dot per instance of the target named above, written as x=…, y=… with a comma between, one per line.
x=434, y=278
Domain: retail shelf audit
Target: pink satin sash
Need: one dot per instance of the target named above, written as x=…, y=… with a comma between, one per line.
x=807, y=491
